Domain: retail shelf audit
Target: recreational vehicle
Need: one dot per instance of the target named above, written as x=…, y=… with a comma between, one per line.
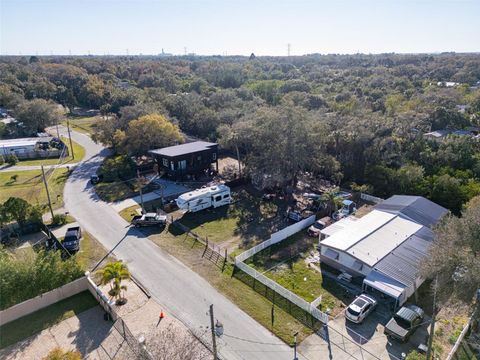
x=200, y=199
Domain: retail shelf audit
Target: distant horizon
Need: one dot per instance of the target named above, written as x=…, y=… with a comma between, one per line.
x=240, y=27
x=166, y=54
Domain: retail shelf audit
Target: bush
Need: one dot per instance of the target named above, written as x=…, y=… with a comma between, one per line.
x=414, y=355
x=12, y=159
x=117, y=167
x=14, y=177
x=59, y=219
x=25, y=277
x=2, y=160
x=60, y=354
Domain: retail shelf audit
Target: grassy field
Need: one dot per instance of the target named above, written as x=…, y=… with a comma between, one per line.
x=84, y=125
x=42, y=319
x=29, y=186
x=285, y=264
x=258, y=307
x=78, y=150
x=114, y=191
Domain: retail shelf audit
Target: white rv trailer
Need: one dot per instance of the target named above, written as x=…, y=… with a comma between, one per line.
x=203, y=198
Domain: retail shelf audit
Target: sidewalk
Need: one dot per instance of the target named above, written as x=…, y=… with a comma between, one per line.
x=8, y=168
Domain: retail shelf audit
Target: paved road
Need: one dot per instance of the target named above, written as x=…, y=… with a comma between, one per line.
x=181, y=291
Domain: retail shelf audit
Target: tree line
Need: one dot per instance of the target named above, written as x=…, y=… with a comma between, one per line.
x=356, y=119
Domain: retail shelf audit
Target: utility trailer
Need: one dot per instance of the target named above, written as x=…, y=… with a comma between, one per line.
x=212, y=196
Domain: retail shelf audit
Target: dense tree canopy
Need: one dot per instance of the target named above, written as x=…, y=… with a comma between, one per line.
x=455, y=254
x=362, y=117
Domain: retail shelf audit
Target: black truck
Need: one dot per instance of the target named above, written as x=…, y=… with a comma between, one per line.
x=404, y=322
x=71, y=241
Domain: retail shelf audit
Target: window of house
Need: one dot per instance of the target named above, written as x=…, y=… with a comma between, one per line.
x=165, y=162
x=199, y=158
x=218, y=198
x=226, y=196
x=214, y=156
x=182, y=165
x=172, y=165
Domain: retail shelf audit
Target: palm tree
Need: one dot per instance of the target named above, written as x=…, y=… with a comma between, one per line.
x=332, y=200
x=113, y=273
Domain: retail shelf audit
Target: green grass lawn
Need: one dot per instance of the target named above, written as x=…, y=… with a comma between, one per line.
x=285, y=264
x=42, y=319
x=91, y=252
x=248, y=220
x=84, y=125
x=114, y=191
x=29, y=186
x=189, y=252
x=78, y=150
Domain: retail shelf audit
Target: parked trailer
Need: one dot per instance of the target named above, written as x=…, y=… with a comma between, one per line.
x=218, y=195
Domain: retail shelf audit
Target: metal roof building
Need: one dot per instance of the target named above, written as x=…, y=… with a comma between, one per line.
x=184, y=149
x=415, y=208
x=386, y=246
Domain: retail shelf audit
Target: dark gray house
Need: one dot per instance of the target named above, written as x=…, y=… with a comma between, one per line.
x=186, y=159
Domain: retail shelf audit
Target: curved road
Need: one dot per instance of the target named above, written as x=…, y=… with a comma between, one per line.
x=182, y=292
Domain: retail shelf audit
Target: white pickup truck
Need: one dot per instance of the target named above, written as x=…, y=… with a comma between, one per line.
x=149, y=219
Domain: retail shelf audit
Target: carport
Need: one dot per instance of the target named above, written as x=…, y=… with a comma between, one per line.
x=385, y=285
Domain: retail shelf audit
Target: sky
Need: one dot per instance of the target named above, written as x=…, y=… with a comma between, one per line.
x=214, y=27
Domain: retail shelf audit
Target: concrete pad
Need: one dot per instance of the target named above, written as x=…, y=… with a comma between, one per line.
x=360, y=341
x=170, y=188
x=84, y=333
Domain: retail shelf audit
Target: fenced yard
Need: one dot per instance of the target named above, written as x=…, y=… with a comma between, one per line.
x=242, y=224
x=289, y=264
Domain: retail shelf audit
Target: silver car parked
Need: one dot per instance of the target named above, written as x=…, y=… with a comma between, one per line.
x=360, y=308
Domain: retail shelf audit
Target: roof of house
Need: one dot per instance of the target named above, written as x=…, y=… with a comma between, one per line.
x=403, y=262
x=415, y=208
x=19, y=142
x=392, y=238
x=374, y=247
x=358, y=230
x=384, y=284
x=183, y=149
x=338, y=226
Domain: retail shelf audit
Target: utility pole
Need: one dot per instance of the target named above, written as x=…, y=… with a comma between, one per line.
x=70, y=138
x=48, y=193
x=432, y=327
x=295, y=346
x=214, y=340
x=140, y=188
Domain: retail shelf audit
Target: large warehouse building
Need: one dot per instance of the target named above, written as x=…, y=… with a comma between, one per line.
x=386, y=246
